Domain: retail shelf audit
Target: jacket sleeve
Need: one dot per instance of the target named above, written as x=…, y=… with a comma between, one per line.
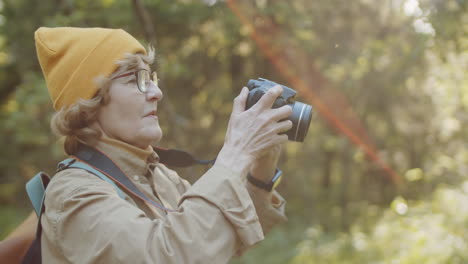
x=269, y=206
x=86, y=222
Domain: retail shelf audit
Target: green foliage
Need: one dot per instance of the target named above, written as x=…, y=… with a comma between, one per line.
x=278, y=247
x=392, y=72
x=9, y=219
x=429, y=232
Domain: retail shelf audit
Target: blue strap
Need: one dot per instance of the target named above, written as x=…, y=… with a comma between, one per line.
x=36, y=190
x=72, y=163
x=36, y=186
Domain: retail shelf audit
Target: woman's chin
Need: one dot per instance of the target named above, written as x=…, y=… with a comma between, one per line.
x=155, y=137
x=156, y=140
x=143, y=140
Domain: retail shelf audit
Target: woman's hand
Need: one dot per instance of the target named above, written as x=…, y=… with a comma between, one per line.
x=251, y=133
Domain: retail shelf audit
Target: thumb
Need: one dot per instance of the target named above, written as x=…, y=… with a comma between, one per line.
x=240, y=101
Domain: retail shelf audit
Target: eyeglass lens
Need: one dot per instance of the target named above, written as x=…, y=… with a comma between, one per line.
x=144, y=80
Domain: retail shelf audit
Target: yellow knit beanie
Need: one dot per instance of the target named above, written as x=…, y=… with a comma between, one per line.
x=72, y=58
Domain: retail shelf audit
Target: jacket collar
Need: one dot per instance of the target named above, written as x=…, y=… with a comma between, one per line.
x=130, y=159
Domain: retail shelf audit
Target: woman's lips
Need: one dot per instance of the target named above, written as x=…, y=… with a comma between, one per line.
x=152, y=114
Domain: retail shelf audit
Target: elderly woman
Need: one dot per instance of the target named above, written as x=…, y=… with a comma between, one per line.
x=106, y=97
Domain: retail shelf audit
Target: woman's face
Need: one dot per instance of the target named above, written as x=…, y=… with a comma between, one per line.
x=131, y=115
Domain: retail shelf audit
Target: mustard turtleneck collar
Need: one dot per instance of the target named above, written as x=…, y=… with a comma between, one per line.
x=131, y=160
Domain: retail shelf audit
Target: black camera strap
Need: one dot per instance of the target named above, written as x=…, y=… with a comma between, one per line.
x=106, y=166
x=179, y=158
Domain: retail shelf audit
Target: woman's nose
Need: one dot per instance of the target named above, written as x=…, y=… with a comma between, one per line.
x=153, y=93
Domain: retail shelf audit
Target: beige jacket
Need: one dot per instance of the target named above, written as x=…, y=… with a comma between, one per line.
x=221, y=215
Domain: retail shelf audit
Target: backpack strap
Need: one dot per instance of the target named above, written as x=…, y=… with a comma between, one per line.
x=36, y=190
x=37, y=185
x=73, y=163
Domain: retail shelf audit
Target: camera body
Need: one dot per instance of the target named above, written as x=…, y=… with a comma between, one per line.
x=259, y=87
x=302, y=113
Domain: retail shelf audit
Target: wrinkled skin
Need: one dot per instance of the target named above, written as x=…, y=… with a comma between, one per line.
x=253, y=136
x=130, y=115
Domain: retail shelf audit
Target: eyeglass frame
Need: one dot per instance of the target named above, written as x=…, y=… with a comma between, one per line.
x=136, y=78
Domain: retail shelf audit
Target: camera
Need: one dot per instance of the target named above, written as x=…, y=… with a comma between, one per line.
x=301, y=115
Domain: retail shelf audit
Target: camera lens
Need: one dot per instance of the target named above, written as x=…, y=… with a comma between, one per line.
x=300, y=117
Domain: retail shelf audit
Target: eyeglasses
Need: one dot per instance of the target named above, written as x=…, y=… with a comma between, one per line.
x=143, y=79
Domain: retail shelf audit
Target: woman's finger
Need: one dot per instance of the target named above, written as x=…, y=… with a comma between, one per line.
x=239, y=101
x=280, y=138
x=281, y=113
x=267, y=100
x=284, y=126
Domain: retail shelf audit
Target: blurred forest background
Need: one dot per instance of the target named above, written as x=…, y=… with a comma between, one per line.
x=382, y=174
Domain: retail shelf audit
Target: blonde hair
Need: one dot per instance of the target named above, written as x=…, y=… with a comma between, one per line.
x=74, y=122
